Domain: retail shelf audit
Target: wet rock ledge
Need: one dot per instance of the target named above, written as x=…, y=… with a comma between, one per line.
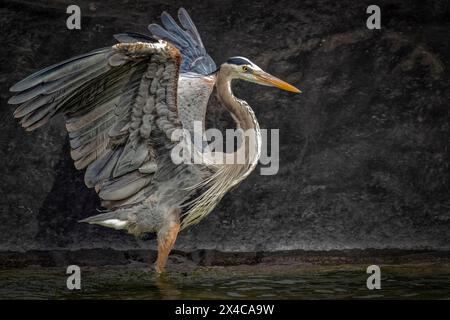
x=188, y=260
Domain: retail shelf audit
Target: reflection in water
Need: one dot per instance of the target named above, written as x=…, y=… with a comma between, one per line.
x=167, y=287
x=335, y=282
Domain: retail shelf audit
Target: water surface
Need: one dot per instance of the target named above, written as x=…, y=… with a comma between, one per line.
x=241, y=282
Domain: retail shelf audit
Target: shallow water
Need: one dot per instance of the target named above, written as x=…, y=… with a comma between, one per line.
x=331, y=282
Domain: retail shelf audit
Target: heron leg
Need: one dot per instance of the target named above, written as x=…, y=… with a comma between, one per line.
x=166, y=240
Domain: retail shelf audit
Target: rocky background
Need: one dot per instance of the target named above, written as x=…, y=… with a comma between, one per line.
x=364, y=159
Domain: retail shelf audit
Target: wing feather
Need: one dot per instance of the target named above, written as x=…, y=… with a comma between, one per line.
x=62, y=69
x=113, y=98
x=187, y=40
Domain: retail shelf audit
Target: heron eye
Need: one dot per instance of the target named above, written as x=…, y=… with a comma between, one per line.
x=245, y=68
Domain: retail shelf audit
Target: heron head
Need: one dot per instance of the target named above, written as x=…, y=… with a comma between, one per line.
x=243, y=68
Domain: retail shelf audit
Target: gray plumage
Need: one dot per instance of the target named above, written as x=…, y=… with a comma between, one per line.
x=119, y=115
x=121, y=111
x=123, y=105
x=187, y=40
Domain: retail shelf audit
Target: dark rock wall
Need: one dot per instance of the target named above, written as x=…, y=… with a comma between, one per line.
x=364, y=156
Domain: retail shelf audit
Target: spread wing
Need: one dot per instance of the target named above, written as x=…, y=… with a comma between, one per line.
x=187, y=40
x=197, y=79
x=116, y=100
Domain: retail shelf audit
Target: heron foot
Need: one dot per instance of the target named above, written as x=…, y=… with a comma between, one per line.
x=158, y=269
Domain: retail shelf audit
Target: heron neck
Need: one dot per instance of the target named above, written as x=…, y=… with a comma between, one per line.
x=243, y=116
x=241, y=112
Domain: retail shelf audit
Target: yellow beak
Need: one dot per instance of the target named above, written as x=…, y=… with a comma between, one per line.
x=269, y=80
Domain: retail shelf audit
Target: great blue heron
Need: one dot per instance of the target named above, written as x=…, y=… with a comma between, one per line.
x=122, y=106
